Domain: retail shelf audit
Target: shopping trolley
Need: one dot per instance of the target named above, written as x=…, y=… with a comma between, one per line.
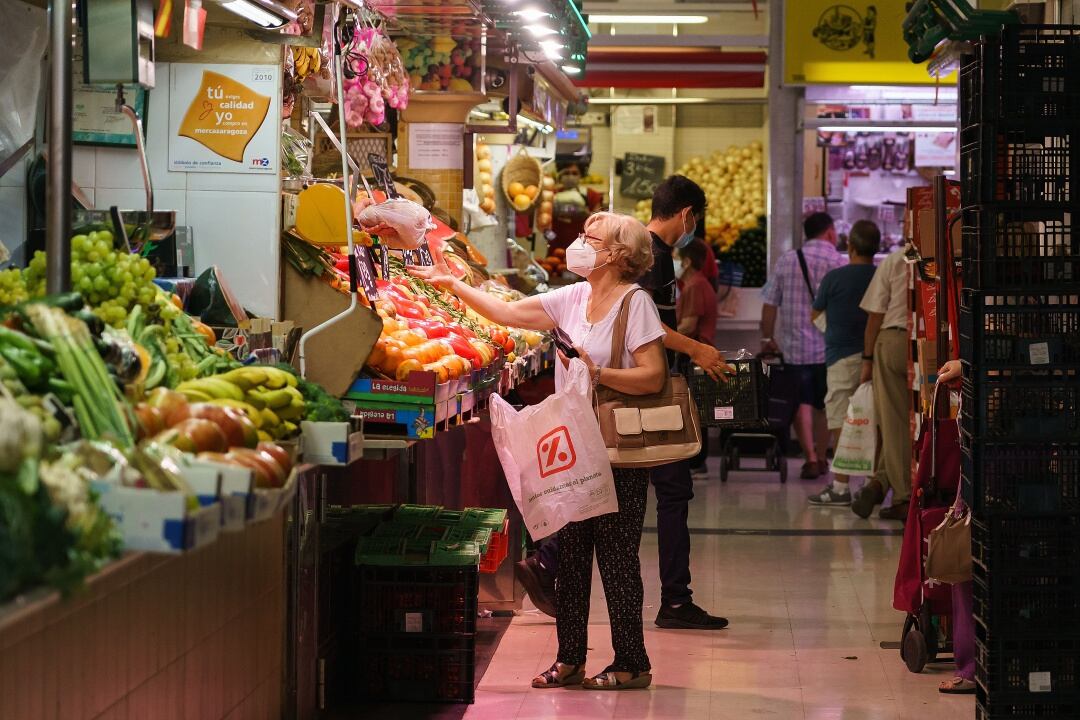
x=753, y=408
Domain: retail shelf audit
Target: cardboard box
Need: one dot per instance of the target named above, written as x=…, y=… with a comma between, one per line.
x=331, y=443
x=234, y=489
x=268, y=502
x=923, y=222
x=155, y=521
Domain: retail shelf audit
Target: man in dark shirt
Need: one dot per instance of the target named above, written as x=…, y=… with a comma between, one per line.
x=838, y=298
x=678, y=203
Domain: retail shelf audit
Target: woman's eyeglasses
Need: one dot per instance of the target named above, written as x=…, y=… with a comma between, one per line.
x=591, y=240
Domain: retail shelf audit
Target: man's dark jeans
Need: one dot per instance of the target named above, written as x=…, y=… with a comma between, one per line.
x=674, y=491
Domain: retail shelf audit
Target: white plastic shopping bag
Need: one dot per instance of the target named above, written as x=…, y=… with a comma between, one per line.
x=854, y=454
x=554, y=456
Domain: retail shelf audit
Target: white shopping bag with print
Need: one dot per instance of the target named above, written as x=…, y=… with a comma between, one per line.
x=554, y=456
x=856, y=448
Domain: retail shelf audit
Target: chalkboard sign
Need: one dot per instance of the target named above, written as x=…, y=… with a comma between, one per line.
x=363, y=272
x=382, y=174
x=640, y=175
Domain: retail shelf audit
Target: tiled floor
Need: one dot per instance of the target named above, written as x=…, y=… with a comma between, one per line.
x=808, y=611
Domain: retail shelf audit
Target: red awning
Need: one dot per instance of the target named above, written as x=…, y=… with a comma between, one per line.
x=667, y=67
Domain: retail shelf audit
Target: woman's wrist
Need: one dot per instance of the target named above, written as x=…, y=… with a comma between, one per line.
x=596, y=376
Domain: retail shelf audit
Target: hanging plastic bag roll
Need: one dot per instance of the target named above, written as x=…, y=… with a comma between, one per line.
x=554, y=458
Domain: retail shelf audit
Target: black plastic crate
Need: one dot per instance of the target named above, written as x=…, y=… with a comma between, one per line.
x=1020, y=405
x=1019, y=166
x=1031, y=706
x=1034, y=548
x=417, y=600
x=1032, y=249
x=1021, y=330
x=1028, y=74
x=1020, y=478
x=740, y=402
x=1026, y=667
x=1026, y=605
x=416, y=668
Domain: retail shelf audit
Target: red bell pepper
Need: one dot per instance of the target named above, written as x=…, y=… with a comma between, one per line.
x=462, y=348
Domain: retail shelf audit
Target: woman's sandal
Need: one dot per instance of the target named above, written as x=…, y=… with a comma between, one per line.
x=608, y=680
x=559, y=675
x=957, y=686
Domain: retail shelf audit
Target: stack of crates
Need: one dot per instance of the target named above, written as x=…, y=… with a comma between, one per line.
x=1020, y=342
x=417, y=587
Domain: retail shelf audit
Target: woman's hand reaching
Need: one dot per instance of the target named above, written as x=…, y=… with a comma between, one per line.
x=438, y=275
x=949, y=371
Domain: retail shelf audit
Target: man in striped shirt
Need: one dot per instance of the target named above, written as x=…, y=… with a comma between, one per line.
x=789, y=295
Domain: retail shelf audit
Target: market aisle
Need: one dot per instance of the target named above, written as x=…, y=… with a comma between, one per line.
x=809, y=606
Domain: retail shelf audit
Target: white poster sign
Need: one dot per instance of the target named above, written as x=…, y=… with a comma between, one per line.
x=436, y=146
x=224, y=118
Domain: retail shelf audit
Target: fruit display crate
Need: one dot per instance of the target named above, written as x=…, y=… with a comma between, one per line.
x=416, y=668
x=417, y=600
x=1016, y=406
x=1029, y=74
x=1024, y=546
x=1020, y=667
x=1027, y=605
x=1003, y=478
x=1031, y=249
x=410, y=421
x=1019, y=330
x=742, y=401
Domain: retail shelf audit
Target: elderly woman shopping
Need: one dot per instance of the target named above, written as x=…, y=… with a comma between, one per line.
x=610, y=254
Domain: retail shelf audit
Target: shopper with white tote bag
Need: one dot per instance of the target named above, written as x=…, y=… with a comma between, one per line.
x=612, y=252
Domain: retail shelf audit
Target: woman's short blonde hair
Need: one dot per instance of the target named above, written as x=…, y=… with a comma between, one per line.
x=630, y=243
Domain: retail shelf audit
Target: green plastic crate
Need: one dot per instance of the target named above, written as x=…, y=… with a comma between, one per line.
x=456, y=554
x=491, y=518
x=416, y=514
x=479, y=535
x=380, y=551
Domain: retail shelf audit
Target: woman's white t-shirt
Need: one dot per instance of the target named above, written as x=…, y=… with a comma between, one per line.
x=566, y=307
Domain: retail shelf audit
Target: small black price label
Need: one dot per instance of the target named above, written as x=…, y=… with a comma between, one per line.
x=424, y=254
x=364, y=276
x=384, y=261
x=381, y=171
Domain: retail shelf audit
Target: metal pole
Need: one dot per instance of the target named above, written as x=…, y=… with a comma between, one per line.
x=945, y=279
x=58, y=201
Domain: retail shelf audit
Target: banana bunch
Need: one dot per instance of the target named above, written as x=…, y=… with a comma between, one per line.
x=267, y=395
x=307, y=61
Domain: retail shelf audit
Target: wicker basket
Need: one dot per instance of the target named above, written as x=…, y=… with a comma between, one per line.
x=525, y=169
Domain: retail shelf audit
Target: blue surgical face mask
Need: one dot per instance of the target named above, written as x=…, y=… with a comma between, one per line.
x=686, y=238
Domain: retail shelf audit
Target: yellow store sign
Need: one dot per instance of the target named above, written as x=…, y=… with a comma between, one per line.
x=849, y=42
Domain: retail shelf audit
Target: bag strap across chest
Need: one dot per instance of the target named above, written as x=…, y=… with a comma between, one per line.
x=618, y=330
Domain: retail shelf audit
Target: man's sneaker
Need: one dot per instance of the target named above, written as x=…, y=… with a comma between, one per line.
x=688, y=617
x=538, y=583
x=896, y=511
x=867, y=498
x=830, y=496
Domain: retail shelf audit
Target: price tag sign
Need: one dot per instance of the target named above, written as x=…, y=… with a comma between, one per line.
x=640, y=175
x=423, y=253
x=365, y=271
x=408, y=257
x=381, y=171
x=384, y=260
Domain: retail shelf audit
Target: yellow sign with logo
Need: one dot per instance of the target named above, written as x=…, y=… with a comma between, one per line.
x=849, y=42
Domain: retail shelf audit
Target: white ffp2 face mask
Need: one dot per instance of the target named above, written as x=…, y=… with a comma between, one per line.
x=581, y=258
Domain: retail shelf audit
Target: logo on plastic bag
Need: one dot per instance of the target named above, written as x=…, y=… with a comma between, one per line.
x=555, y=452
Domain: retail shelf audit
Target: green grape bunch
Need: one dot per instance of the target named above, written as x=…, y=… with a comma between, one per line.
x=111, y=281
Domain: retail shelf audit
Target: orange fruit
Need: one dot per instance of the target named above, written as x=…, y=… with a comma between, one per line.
x=406, y=367
x=515, y=188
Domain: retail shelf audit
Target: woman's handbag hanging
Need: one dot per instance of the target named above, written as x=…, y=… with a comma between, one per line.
x=642, y=431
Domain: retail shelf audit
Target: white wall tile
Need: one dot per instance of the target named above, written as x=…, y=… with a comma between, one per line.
x=234, y=181
x=123, y=198
x=172, y=200
x=157, y=134
x=239, y=232
x=83, y=166
x=118, y=168
x=12, y=217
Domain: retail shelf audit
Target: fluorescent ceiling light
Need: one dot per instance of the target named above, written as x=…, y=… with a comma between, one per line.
x=265, y=13
x=649, y=19
x=571, y=70
x=539, y=30
x=531, y=14
x=886, y=128
x=649, y=101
